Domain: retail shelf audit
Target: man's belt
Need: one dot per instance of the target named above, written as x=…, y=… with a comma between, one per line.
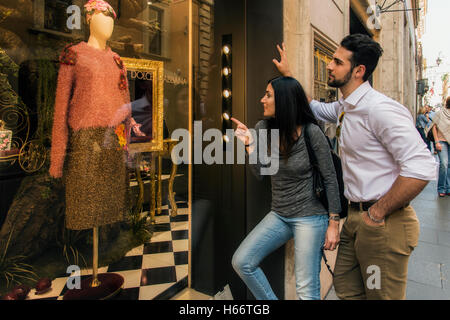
x=364, y=206
x=361, y=206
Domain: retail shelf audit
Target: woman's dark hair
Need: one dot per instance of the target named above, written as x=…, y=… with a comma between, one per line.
x=448, y=102
x=291, y=110
x=366, y=51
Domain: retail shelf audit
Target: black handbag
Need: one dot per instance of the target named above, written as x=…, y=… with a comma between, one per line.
x=318, y=184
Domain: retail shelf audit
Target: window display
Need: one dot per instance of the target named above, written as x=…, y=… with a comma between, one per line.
x=78, y=109
x=55, y=14
x=323, y=54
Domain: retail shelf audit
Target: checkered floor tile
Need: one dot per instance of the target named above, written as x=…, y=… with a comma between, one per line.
x=155, y=270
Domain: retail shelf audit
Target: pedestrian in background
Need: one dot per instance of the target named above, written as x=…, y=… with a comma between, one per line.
x=385, y=165
x=441, y=133
x=421, y=124
x=428, y=132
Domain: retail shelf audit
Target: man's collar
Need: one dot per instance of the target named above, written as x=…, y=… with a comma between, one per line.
x=358, y=94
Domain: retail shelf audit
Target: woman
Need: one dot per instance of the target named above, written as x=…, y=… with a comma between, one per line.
x=441, y=133
x=296, y=212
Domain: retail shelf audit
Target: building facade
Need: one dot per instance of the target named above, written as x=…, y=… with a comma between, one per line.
x=314, y=29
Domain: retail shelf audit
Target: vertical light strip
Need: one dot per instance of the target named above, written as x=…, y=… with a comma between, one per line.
x=227, y=85
x=190, y=88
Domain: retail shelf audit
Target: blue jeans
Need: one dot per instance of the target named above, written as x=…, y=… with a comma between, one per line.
x=444, y=172
x=270, y=234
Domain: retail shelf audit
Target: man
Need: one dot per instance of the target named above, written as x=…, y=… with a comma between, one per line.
x=385, y=166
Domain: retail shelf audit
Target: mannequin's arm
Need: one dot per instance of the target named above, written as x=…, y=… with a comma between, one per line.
x=60, y=129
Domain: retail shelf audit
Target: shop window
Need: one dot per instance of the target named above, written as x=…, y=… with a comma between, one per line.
x=56, y=15
x=36, y=34
x=323, y=70
x=322, y=57
x=142, y=30
x=316, y=68
x=155, y=17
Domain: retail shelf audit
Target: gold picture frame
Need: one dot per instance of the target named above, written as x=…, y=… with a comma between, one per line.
x=148, y=71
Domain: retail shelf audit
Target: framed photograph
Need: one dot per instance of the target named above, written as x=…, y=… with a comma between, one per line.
x=146, y=84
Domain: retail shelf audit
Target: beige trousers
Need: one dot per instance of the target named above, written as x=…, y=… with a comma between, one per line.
x=372, y=262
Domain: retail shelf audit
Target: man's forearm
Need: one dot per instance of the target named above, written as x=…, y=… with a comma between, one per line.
x=403, y=191
x=435, y=135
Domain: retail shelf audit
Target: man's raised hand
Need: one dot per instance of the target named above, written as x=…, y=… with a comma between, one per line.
x=282, y=65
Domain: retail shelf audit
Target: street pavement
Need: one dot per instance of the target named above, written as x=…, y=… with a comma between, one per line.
x=429, y=265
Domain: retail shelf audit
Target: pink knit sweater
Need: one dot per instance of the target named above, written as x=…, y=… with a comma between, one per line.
x=89, y=94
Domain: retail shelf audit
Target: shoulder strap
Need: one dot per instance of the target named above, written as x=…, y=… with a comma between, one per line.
x=312, y=156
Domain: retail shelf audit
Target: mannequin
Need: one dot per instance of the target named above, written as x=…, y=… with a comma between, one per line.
x=92, y=121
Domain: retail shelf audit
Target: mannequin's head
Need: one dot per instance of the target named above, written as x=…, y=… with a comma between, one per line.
x=101, y=26
x=100, y=17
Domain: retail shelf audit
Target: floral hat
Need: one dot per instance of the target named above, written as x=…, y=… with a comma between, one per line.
x=98, y=5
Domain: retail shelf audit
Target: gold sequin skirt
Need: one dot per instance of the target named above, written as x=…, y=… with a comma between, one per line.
x=96, y=179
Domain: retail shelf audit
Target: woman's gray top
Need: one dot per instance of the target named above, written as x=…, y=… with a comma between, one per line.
x=292, y=185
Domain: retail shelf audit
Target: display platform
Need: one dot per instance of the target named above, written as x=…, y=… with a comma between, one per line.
x=155, y=270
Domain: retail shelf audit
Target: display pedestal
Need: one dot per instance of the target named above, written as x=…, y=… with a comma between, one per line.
x=98, y=287
x=110, y=285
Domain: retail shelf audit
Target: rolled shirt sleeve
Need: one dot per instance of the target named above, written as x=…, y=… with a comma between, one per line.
x=393, y=126
x=327, y=112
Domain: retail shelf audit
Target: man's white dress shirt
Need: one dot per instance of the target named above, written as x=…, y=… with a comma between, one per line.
x=378, y=142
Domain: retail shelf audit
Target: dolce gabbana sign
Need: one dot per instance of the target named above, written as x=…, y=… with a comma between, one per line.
x=141, y=75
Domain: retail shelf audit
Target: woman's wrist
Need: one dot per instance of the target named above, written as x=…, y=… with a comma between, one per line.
x=333, y=224
x=333, y=215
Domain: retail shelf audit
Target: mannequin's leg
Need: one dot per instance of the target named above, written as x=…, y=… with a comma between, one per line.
x=173, y=173
x=153, y=189
x=158, y=194
x=95, y=282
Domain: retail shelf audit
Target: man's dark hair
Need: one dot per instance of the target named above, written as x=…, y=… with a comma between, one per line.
x=365, y=50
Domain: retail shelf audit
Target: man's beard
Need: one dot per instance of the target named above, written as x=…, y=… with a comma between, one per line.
x=340, y=83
